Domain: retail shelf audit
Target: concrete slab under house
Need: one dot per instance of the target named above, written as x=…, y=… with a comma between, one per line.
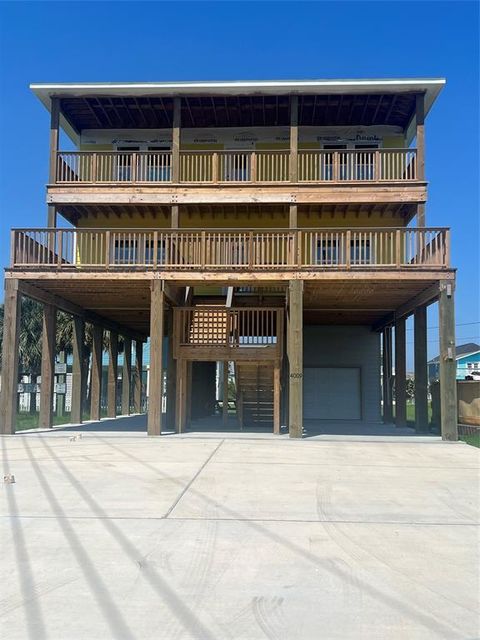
x=268, y=239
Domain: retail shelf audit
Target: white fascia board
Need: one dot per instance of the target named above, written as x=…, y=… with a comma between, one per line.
x=431, y=87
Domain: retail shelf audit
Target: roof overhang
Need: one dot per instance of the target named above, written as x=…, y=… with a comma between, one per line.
x=431, y=87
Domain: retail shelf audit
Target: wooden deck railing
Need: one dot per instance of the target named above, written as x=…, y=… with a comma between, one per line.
x=219, y=167
x=237, y=250
x=220, y=331
x=377, y=165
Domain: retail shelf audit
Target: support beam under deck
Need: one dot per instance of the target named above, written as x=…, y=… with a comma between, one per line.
x=11, y=333
x=421, y=369
x=48, y=366
x=157, y=308
x=400, y=374
x=295, y=357
x=448, y=364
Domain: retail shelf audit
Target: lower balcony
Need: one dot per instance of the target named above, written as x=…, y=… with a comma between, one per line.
x=229, y=249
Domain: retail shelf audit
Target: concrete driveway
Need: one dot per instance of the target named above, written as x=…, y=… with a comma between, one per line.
x=122, y=537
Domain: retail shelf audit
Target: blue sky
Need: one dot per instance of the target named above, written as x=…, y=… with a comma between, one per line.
x=155, y=41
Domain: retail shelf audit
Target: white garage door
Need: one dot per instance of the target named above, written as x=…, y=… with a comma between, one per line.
x=331, y=393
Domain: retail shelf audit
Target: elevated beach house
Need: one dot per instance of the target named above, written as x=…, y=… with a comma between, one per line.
x=275, y=227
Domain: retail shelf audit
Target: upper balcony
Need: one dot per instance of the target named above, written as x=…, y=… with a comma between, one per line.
x=357, y=141
x=125, y=168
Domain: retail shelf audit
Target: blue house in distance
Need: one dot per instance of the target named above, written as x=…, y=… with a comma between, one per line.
x=468, y=360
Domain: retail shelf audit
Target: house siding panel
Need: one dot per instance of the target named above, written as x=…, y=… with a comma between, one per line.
x=348, y=346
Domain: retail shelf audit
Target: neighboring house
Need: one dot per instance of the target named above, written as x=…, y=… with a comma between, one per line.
x=467, y=357
x=278, y=225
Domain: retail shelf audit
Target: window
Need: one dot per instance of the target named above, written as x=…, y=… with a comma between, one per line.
x=131, y=251
x=158, y=165
x=236, y=166
x=331, y=252
x=329, y=165
x=124, y=163
x=365, y=161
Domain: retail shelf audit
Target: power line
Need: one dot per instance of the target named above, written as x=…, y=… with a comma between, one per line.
x=458, y=338
x=463, y=324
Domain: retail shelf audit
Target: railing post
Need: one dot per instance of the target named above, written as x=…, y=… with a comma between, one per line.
x=59, y=247
x=107, y=249
x=133, y=167
x=446, y=240
x=13, y=247
x=250, y=250
x=299, y=248
x=335, y=166
x=215, y=167
x=292, y=257
x=348, y=252
x=398, y=252
x=93, y=168
x=203, y=249
x=155, y=249
x=377, y=167
x=253, y=167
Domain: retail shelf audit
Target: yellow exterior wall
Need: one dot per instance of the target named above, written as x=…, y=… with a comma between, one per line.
x=394, y=142
x=96, y=147
x=267, y=219
x=136, y=221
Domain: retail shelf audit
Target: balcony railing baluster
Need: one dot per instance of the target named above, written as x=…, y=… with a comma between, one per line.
x=230, y=249
x=256, y=167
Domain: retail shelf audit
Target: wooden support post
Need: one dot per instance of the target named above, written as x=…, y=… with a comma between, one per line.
x=52, y=174
x=293, y=138
x=126, y=375
x=78, y=375
x=448, y=364
x=276, y=398
x=175, y=216
x=421, y=369
x=171, y=374
x=48, y=366
x=154, y=422
x=295, y=356
x=420, y=215
x=420, y=134
x=188, y=392
x=293, y=216
x=400, y=374
x=54, y=137
x=387, y=375
x=96, y=374
x=11, y=333
x=51, y=220
x=137, y=389
x=181, y=396
x=61, y=380
x=177, y=105
x=112, y=375
x=225, y=395
x=240, y=409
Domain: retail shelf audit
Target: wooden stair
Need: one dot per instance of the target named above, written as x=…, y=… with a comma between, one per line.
x=255, y=392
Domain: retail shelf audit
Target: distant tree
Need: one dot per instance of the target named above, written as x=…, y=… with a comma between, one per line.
x=30, y=340
x=410, y=389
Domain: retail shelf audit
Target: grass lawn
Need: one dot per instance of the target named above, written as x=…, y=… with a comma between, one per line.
x=471, y=438
x=30, y=420
x=411, y=417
